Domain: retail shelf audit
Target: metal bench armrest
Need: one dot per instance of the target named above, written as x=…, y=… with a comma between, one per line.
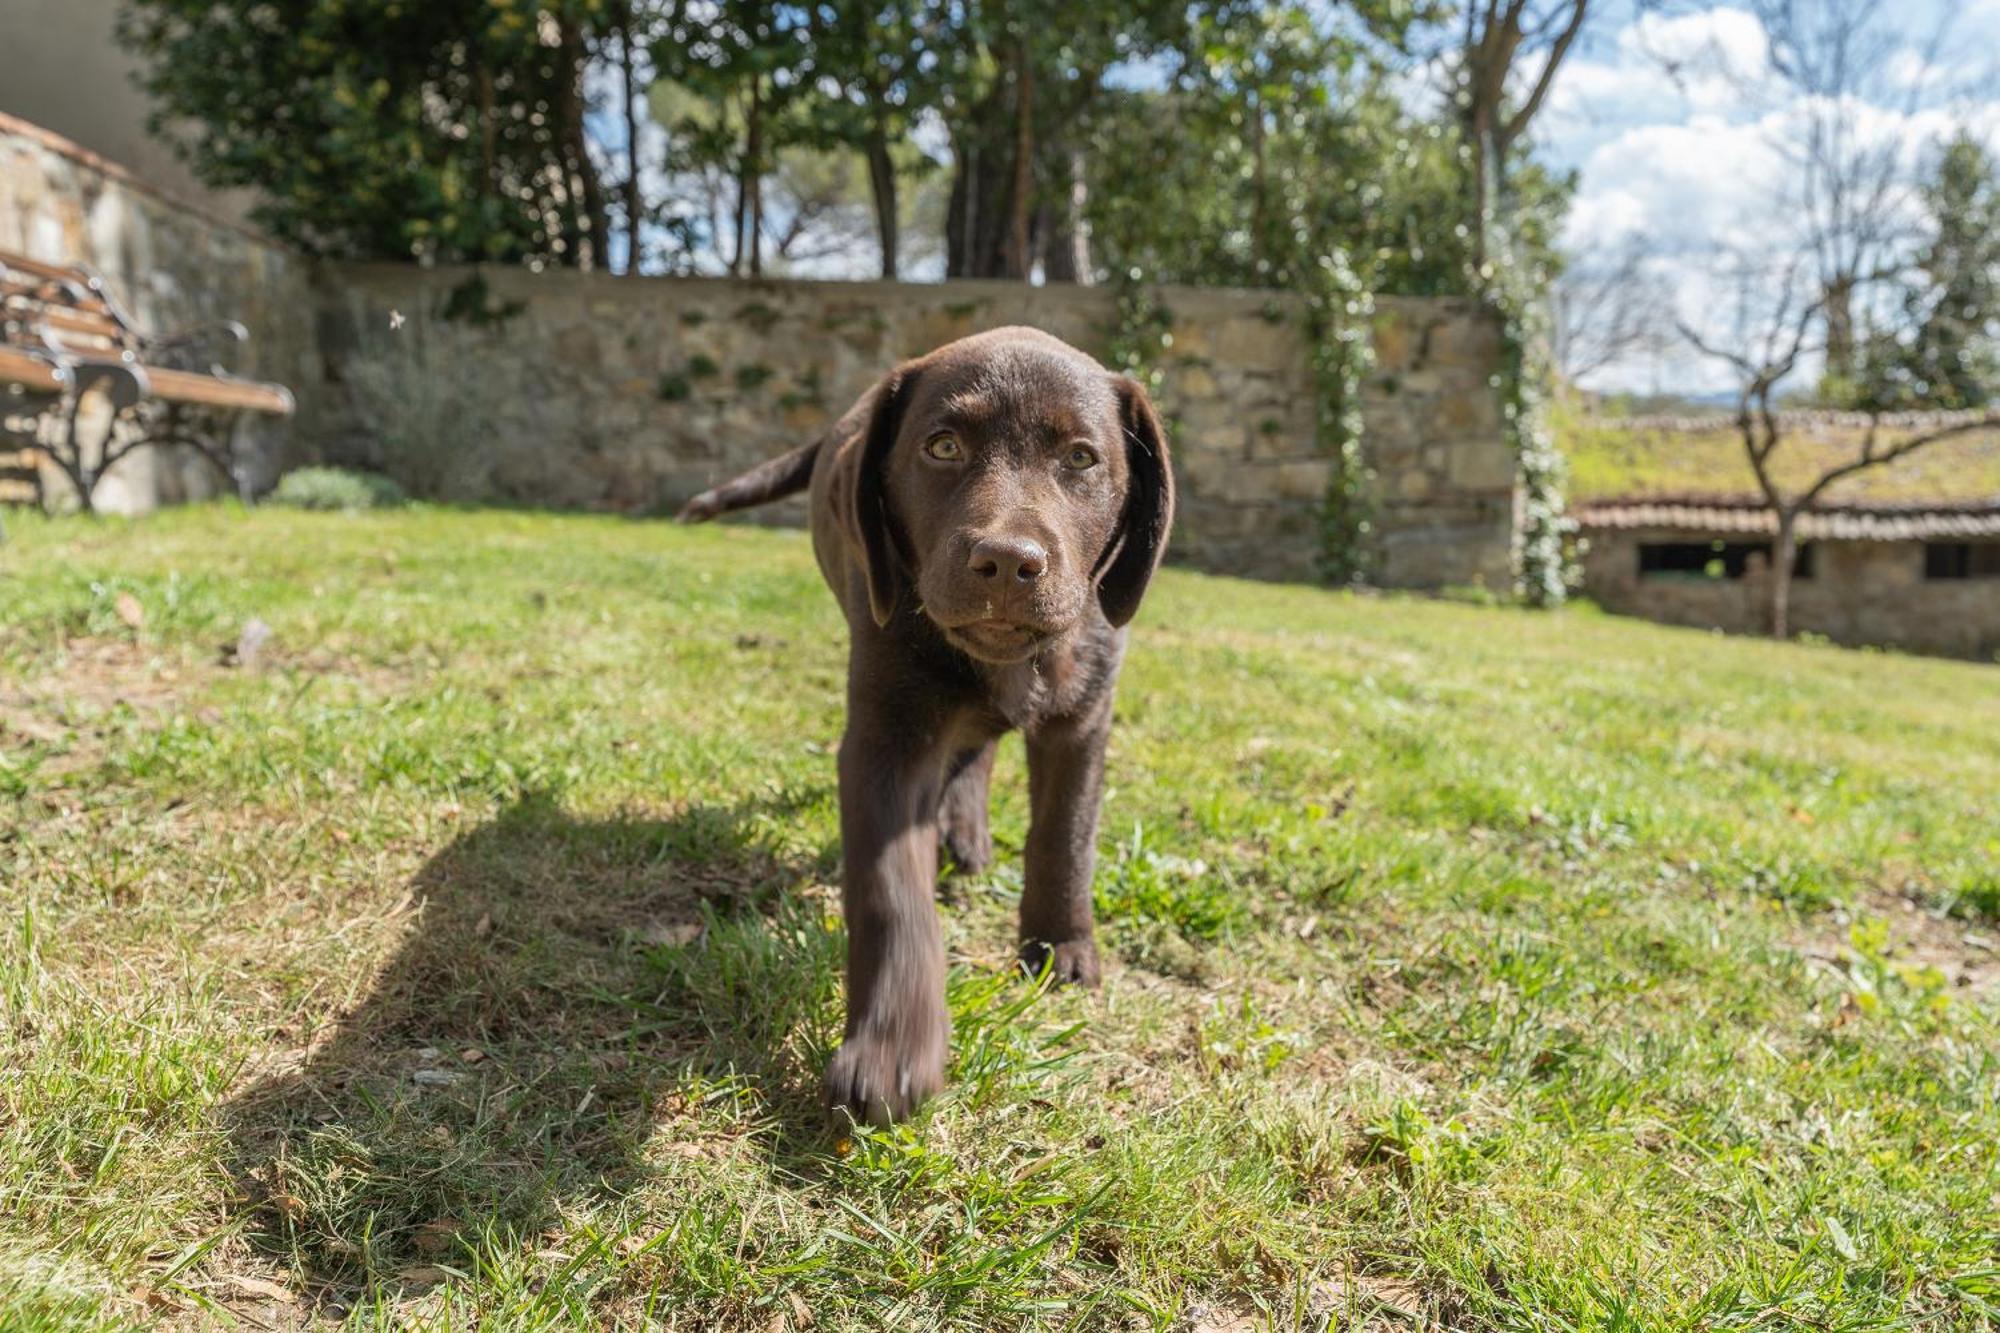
x=174, y=347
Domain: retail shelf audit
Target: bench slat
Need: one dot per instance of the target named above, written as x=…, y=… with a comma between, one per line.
x=182, y=386
x=17, y=367
x=22, y=263
x=173, y=386
x=78, y=322
x=46, y=291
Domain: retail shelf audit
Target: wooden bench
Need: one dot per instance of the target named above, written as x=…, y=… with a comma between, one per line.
x=64, y=339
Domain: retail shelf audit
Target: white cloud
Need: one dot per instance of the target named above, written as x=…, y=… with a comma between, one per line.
x=1720, y=44
x=1677, y=139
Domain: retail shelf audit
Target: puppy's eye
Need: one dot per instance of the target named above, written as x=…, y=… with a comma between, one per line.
x=1081, y=458
x=944, y=448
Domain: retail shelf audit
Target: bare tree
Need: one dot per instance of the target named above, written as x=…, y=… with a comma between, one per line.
x=1608, y=307
x=1829, y=67
x=1505, y=42
x=1762, y=358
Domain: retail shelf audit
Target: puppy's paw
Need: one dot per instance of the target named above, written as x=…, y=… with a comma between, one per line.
x=1069, y=962
x=874, y=1079
x=970, y=850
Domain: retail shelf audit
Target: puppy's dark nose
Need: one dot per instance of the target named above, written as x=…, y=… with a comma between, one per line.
x=1008, y=558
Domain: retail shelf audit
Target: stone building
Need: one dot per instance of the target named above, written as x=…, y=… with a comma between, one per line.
x=1924, y=577
x=590, y=391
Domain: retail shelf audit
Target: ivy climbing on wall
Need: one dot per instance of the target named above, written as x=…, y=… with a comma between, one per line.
x=1141, y=329
x=1339, y=308
x=1543, y=570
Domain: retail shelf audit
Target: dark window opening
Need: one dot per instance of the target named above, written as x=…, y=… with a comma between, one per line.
x=1962, y=560
x=1716, y=559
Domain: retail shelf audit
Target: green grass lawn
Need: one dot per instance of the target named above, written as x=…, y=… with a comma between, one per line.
x=1608, y=461
x=473, y=957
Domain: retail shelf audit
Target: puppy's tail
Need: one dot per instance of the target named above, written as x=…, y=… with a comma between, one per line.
x=772, y=480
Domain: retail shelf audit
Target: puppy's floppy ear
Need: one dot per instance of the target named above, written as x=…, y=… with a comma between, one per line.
x=865, y=515
x=1134, y=553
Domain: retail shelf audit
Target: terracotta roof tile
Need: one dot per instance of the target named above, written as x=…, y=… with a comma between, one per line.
x=1850, y=522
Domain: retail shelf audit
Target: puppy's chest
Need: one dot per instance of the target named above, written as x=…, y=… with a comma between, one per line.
x=1023, y=696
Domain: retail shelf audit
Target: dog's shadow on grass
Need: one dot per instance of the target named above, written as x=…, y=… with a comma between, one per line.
x=566, y=987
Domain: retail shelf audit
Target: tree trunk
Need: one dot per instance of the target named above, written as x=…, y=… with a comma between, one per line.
x=1487, y=165
x=633, y=207
x=882, y=182
x=1840, y=328
x=742, y=217
x=1061, y=234
x=1072, y=239
x=960, y=207
x=976, y=223
x=1022, y=203
x=1784, y=559
x=754, y=180
x=1259, y=217
x=577, y=149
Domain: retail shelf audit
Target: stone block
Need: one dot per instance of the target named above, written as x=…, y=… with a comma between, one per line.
x=1468, y=340
x=1393, y=344
x=1483, y=465
x=805, y=419
x=1306, y=480
x=1191, y=383
x=1469, y=411
x=1253, y=340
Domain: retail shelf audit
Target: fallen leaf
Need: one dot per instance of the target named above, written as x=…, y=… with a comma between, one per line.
x=257, y=1286
x=437, y=1236
x=672, y=933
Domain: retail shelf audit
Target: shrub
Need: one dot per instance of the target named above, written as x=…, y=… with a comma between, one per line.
x=337, y=488
x=433, y=427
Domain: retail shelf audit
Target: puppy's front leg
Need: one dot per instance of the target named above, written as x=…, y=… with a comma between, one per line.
x=898, y=1031
x=1065, y=786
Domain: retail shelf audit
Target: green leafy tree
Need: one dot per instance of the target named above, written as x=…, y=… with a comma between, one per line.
x=747, y=62
x=448, y=129
x=875, y=70
x=1275, y=143
x=1020, y=81
x=1941, y=352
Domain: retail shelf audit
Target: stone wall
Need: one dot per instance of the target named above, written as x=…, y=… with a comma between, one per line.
x=631, y=394
x=171, y=266
x=589, y=391
x=1860, y=594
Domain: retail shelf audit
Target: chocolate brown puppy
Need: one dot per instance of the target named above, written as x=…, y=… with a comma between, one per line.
x=989, y=517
